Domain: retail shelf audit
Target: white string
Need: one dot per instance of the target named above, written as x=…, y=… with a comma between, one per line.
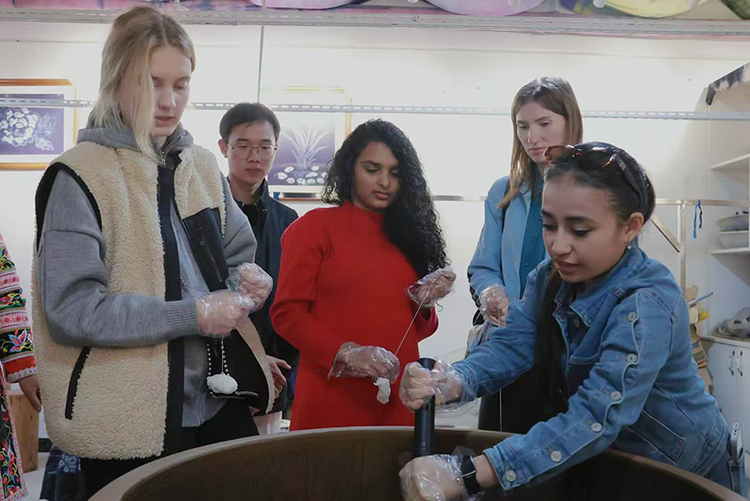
x=414, y=318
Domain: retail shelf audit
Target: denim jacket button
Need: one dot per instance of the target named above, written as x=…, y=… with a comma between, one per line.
x=632, y=316
x=615, y=395
x=632, y=358
x=510, y=476
x=576, y=323
x=555, y=456
x=596, y=427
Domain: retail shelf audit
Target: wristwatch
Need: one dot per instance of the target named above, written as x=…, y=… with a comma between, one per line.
x=469, y=476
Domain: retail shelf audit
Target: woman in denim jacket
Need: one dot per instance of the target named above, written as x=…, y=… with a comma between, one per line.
x=607, y=326
x=544, y=113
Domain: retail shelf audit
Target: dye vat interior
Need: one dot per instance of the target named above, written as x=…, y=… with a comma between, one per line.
x=362, y=464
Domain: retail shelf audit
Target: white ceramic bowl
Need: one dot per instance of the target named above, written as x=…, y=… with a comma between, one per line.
x=738, y=222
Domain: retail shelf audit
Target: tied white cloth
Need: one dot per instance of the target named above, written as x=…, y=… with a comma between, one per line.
x=222, y=384
x=384, y=390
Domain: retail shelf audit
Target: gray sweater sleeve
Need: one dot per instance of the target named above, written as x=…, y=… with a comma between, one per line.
x=73, y=283
x=239, y=241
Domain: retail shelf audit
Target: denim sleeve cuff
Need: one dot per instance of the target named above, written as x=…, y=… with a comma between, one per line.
x=507, y=465
x=468, y=381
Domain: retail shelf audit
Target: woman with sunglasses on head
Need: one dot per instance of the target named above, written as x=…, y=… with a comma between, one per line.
x=544, y=113
x=342, y=292
x=607, y=327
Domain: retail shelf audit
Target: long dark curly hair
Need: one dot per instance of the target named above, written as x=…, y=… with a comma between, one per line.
x=411, y=221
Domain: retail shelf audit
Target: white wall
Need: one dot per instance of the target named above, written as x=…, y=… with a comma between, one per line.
x=463, y=155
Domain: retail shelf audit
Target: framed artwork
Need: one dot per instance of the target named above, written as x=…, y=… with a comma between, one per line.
x=32, y=137
x=308, y=141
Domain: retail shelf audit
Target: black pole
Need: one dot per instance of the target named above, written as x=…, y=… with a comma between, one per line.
x=424, y=420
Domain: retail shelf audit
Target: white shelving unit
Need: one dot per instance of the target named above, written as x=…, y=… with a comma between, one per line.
x=730, y=181
x=735, y=163
x=739, y=250
x=729, y=365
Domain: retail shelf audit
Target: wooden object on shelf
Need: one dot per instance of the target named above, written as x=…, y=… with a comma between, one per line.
x=26, y=428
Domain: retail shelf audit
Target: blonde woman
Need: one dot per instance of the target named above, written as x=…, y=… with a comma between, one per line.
x=544, y=113
x=136, y=235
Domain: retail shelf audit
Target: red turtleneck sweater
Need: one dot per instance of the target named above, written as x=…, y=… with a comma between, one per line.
x=341, y=280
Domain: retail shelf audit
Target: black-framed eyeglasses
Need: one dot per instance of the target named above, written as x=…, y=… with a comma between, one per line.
x=593, y=159
x=242, y=151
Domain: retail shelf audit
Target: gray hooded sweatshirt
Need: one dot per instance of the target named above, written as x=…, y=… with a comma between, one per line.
x=73, y=278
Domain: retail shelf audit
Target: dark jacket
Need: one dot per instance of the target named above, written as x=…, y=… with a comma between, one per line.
x=269, y=219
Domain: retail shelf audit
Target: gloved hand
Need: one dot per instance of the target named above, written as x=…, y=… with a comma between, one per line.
x=431, y=288
x=219, y=312
x=493, y=303
x=433, y=478
x=255, y=283
x=353, y=360
x=418, y=385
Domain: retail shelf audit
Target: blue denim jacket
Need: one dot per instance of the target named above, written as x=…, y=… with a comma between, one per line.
x=497, y=259
x=630, y=372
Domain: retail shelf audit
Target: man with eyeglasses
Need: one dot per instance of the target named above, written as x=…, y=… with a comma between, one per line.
x=249, y=138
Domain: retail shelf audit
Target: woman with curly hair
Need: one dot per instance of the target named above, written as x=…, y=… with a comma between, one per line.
x=341, y=297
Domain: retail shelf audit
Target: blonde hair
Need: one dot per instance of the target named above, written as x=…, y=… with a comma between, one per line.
x=134, y=36
x=556, y=95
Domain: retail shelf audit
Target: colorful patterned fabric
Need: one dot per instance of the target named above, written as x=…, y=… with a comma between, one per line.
x=640, y=8
x=16, y=339
x=63, y=480
x=13, y=487
x=18, y=361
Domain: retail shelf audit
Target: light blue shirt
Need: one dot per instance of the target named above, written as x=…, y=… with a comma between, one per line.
x=497, y=259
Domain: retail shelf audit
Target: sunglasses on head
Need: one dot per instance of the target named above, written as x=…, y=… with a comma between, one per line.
x=593, y=159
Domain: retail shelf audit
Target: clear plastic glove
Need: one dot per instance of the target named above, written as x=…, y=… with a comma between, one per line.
x=251, y=280
x=430, y=289
x=419, y=384
x=219, y=312
x=433, y=478
x=353, y=360
x=493, y=303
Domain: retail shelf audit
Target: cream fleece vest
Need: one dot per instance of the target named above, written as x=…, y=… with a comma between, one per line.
x=120, y=407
